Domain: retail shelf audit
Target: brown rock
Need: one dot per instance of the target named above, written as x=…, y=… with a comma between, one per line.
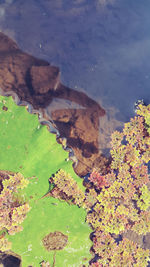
x=38, y=83
x=6, y=44
x=81, y=127
x=44, y=78
x=18, y=71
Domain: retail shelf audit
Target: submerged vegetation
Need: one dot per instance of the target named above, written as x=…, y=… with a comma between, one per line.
x=114, y=203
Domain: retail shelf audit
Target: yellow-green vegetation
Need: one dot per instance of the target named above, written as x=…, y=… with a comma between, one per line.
x=65, y=187
x=114, y=203
x=123, y=196
x=13, y=208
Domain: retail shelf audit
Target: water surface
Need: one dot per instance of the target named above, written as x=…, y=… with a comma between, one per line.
x=102, y=47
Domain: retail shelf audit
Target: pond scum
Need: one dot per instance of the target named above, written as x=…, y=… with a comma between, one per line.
x=114, y=203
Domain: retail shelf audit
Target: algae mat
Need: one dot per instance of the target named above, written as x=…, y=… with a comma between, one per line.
x=28, y=147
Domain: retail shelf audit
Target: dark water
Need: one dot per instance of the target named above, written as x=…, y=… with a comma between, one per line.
x=101, y=46
x=9, y=261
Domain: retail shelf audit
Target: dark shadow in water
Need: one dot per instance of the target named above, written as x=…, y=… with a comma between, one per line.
x=9, y=260
x=37, y=82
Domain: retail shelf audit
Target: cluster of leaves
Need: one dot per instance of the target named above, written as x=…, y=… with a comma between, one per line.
x=13, y=209
x=145, y=112
x=29, y=146
x=4, y=243
x=99, y=181
x=126, y=253
x=65, y=187
x=118, y=200
x=123, y=195
x=115, y=202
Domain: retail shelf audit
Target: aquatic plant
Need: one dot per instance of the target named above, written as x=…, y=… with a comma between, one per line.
x=66, y=188
x=119, y=200
x=13, y=208
x=98, y=180
x=126, y=253
x=5, y=245
x=28, y=147
x=114, y=202
x=145, y=112
x=123, y=200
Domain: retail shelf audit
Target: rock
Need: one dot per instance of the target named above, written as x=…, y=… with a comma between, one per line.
x=44, y=78
x=81, y=127
x=6, y=44
x=37, y=82
x=18, y=70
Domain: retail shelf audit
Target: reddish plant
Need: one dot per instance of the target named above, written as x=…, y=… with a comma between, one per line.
x=98, y=180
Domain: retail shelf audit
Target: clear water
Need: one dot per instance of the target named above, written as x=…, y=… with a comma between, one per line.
x=101, y=46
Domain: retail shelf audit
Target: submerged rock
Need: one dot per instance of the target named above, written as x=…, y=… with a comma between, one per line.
x=37, y=82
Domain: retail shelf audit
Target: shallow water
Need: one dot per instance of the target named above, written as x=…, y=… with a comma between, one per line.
x=102, y=47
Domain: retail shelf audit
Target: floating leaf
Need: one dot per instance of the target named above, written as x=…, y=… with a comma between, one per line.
x=29, y=148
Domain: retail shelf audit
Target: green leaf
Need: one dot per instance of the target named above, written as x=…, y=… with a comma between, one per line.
x=29, y=148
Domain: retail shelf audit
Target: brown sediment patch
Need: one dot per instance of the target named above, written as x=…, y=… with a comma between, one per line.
x=37, y=82
x=55, y=241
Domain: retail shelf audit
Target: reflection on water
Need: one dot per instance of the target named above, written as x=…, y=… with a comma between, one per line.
x=100, y=46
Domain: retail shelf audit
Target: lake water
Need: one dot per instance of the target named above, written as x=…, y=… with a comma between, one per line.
x=102, y=47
